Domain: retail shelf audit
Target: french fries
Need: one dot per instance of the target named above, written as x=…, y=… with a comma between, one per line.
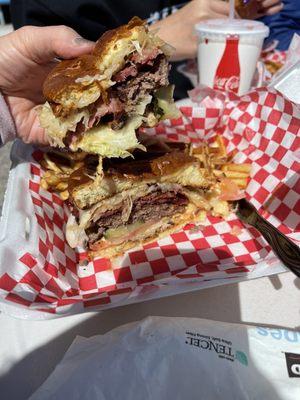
x=221, y=146
x=64, y=195
x=239, y=173
x=272, y=66
x=243, y=168
x=216, y=158
x=56, y=175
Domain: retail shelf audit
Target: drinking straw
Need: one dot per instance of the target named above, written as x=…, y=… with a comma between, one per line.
x=231, y=9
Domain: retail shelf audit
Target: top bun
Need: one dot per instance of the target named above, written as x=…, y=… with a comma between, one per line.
x=76, y=83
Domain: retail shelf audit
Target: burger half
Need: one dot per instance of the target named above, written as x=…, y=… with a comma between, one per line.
x=96, y=102
x=137, y=200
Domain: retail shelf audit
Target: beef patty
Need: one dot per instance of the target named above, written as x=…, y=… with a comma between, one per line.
x=154, y=206
x=123, y=97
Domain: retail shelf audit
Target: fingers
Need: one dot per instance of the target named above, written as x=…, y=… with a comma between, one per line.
x=268, y=3
x=270, y=7
x=45, y=44
x=220, y=7
x=273, y=10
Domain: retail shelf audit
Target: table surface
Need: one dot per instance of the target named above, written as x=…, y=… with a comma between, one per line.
x=30, y=350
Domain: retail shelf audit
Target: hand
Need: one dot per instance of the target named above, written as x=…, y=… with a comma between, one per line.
x=26, y=57
x=178, y=28
x=260, y=8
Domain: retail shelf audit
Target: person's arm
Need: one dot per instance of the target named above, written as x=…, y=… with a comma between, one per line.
x=178, y=28
x=26, y=57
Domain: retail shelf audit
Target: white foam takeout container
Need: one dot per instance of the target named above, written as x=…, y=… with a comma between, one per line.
x=287, y=83
x=19, y=233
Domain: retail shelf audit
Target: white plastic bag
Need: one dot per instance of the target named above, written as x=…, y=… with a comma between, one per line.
x=179, y=358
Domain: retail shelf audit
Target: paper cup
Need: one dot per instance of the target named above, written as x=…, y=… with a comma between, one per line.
x=228, y=51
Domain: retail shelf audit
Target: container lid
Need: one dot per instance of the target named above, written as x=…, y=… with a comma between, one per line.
x=232, y=27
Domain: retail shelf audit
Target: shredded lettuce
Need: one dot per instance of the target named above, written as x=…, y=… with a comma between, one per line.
x=165, y=103
x=57, y=128
x=137, y=46
x=107, y=142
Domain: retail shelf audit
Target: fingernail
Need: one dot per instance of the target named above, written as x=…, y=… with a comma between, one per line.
x=80, y=41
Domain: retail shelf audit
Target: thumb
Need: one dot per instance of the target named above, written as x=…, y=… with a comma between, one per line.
x=43, y=44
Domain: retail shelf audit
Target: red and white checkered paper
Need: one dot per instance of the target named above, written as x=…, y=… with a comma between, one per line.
x=276, y=56
x=264, y=127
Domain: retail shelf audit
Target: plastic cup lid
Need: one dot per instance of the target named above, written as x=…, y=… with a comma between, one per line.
x=233, y=27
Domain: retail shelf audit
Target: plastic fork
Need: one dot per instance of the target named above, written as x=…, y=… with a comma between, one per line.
x=287, y=251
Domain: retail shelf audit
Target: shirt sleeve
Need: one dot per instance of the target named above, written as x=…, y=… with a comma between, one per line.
x=7, y=125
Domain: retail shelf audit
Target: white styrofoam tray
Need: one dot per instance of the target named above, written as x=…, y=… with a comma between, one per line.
x=19, y=233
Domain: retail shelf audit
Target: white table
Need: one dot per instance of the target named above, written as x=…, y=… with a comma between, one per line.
x=29, y=350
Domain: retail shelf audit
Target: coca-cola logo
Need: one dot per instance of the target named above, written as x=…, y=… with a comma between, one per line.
x=230, y=84
x=228, y=72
